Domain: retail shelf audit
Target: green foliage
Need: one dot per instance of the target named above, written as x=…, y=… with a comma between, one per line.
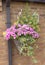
x=27, y=42
x=27, y=17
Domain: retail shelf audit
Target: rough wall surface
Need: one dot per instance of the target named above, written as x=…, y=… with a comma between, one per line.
x=16, y=58
x=3, y=43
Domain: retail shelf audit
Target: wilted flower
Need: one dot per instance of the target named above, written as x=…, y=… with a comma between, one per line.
x=19, y=13
x=4, y=33
x=21, y=10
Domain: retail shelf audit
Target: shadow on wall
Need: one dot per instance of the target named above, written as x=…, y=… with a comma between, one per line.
x=39, y=1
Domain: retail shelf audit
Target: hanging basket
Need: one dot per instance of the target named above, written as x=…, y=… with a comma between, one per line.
x=17, y=44
x=24, y=32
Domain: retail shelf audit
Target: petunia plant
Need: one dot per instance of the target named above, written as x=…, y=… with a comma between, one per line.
x=25, y=31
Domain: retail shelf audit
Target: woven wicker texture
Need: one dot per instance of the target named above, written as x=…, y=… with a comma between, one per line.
x=16, y=58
